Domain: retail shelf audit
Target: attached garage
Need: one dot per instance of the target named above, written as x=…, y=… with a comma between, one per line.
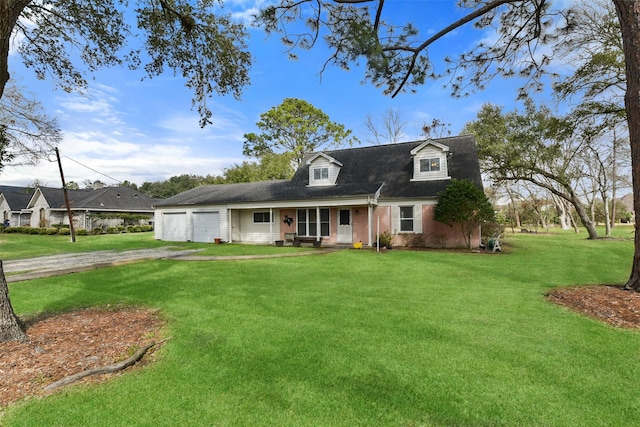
x=174, y=227
x=206, y=226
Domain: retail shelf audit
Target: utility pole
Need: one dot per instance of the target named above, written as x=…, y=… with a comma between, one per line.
x=66, y=198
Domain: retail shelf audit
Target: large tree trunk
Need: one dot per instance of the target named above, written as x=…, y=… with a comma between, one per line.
x=574, y=200
x=586, y=221
x=607, y=219
x=614, y=178
x=629, y=15
x=10, y=11
x=563, y=214
x=10, y=327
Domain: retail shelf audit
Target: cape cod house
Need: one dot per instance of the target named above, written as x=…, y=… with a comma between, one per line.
x=340, y=196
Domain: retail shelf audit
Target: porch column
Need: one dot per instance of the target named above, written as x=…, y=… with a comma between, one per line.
x=370, y=225
x=271, y=225
x=317, y=223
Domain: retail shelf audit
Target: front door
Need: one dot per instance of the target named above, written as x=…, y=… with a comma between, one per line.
x=236, y=231
x=344, y=226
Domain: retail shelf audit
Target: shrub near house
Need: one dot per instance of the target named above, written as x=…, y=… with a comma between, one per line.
x=465, y=205
x=63, y=230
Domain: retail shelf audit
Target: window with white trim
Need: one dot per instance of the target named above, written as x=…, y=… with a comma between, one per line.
x=320, y=173
x=308, y=222
x=430, y=162
x=430, y=165
x=261, y=217
x=406, y=218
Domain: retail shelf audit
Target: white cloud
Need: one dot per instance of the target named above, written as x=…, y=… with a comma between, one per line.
x=103, y=137
x=228, y=128
x=245, y=10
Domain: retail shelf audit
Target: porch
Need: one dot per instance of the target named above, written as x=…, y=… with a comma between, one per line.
x=320, y=225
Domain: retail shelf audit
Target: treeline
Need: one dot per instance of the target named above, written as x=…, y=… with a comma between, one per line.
x=245, y=172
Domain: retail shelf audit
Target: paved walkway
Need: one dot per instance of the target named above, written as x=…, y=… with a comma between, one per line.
x=55, y=265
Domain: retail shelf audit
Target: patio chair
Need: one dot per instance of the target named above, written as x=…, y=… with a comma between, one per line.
x=493, y=244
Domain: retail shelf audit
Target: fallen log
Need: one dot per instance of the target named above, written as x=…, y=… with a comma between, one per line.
x=107, y=369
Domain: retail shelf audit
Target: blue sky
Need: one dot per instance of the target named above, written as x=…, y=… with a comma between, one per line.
x=126, y=128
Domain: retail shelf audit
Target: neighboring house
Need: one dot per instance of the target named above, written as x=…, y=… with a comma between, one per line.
x=13, y=204
x=627, y=202
x=99, y=207
x=342, y=196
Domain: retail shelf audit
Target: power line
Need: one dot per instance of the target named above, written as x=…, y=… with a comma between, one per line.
x=96, y=171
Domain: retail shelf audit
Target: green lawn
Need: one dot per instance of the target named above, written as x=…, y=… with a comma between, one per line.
x=433, y=338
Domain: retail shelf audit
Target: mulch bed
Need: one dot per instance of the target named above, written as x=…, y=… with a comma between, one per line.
x=608, y=303
x=73, y=342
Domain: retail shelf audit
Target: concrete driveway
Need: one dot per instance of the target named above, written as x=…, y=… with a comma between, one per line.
x=54, y=265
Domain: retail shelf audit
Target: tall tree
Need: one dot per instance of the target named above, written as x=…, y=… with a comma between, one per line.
x=465, y=205
x=174, y=185
x=629, y=16
x=295, y=127
x=596, y=88
x=194, y=39
x=594, y=53
x=388, y=129
x=397, y=57
x=206, y=48
x=27, y=135
x=533, y=146
x=30, y=134
x=436, y=129
x=269, y=167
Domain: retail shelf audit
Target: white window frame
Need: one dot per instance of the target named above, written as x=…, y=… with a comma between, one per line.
x=263, y=214
x=412, y=218
x=318, y=222
x=323, y=172
x=429, y=162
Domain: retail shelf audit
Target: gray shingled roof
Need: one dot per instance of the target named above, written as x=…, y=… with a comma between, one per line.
x=392, y=165
x=122, y=199
x=55, y=197
x=364, y=171
x=17, y=197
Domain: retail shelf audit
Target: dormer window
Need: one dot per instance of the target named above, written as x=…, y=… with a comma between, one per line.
x=320, y=173
x=430, y=165
x=430, y=161
x=323, y=170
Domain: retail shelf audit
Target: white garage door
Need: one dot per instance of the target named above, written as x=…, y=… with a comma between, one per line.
x=174, y=227
x=206, y=226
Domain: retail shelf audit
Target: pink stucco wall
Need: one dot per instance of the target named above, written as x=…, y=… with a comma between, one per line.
x=360, y=224
x=435, y=233
x=382, y=216
x=438, y=234
x=284, y=228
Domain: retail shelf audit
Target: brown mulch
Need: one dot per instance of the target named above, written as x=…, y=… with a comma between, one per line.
x=69, y=343
x=65, y=344
x=610, y=304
